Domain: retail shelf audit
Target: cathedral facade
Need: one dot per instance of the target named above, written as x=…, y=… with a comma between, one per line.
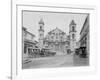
x=57, y=40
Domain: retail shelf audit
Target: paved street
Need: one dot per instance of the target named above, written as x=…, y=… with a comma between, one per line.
x=56, y=61
x=80, y=61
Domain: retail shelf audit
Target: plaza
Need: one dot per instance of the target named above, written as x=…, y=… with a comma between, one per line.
x=56, y=61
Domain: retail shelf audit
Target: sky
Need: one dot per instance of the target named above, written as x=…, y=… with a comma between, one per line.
x=51, y=21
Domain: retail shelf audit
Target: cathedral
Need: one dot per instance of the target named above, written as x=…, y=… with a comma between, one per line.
x=57, y=40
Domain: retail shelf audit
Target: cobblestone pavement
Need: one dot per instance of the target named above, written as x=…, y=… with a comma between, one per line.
x=56, y=61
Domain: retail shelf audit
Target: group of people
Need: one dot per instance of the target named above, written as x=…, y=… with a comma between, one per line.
x=39, y=52
x=81, y=52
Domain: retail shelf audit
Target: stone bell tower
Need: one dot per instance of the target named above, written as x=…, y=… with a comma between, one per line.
x=72, y=33
x=41, y=33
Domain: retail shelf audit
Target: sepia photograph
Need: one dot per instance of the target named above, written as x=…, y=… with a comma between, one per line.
x=54, y=39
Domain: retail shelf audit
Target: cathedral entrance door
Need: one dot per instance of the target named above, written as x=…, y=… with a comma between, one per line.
x=57, y=47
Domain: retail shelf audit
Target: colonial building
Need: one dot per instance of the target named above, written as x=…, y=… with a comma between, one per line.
x=28, y=41
x=84, y=35
x=56, y=39
x=72, y=34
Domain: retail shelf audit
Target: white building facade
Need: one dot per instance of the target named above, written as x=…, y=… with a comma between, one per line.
x=41, y=33
x=72, y=33
x=57, y=40
x=28, y=42
x=84, y=35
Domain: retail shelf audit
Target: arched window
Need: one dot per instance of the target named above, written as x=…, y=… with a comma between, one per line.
x=61, y=38
x=73, y=36
x=73, y=28
x=40, y=27
x=56, y=35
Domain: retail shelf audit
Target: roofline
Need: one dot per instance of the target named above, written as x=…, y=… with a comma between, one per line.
x=84, y=24
x=28, y=31
x=55, y=29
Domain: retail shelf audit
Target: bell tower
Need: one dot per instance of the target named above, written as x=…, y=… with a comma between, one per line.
x=72, y=33
x=41, y=33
